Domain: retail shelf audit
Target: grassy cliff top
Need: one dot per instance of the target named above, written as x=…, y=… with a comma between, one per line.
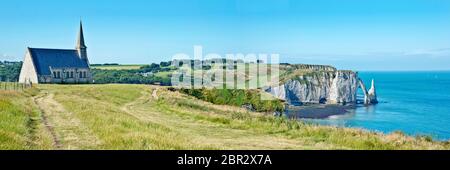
x=151, y=117
x=294, y=71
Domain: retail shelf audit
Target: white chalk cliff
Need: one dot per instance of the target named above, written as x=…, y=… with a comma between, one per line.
x=372, y=94
x=322, y=86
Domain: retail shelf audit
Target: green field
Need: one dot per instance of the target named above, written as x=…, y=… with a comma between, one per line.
x=21, y=124
x=151, y=117
x=118, y=67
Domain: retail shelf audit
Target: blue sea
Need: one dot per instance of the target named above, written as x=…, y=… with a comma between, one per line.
x=416, y=103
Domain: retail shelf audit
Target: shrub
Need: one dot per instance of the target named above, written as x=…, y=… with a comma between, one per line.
x=236, y=97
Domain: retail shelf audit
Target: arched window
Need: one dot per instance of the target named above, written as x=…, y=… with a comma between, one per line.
x=54, y=74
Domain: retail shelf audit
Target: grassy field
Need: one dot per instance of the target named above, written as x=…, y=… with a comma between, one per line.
x=21, y=124
x=151, y=117
x=163, y=74
x=118, y=67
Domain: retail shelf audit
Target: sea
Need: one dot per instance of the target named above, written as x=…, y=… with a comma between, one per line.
x=414, y=102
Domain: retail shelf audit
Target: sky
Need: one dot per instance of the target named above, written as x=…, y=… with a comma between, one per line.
x=349, y=34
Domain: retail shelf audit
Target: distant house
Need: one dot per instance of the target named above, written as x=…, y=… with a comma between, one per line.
x=42, y=65
x=147, y=74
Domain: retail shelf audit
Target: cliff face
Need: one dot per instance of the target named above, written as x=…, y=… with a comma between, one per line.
x=319, y=85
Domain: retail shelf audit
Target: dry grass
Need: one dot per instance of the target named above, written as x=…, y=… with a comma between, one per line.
x=21, y=125
x=151, y=117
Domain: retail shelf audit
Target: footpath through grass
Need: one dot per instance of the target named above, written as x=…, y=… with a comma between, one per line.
x=152, y=117
x=21, y=124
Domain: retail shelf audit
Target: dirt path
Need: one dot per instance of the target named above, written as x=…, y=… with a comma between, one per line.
x=56, y=141
x=67, y=131
x=155, y=94
x=129, y=108
x=203, y=133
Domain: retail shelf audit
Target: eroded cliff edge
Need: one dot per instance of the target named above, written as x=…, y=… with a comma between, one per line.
x=316, y=84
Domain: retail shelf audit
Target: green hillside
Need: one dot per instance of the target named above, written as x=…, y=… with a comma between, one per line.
x=117, y=67
x=152, y=117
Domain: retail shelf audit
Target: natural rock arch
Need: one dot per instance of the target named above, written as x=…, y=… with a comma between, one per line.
x=370, y=96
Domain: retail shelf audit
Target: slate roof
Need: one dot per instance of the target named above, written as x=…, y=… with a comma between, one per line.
x=43, y=59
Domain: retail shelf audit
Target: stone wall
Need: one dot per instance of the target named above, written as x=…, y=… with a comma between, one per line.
x=70, y=76
x=28, y=71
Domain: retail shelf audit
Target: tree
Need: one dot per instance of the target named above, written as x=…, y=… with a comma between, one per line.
x=10, y=71
x=165, y=64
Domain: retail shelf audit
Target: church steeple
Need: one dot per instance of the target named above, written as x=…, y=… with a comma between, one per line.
x=80, y=43
x=81, y=46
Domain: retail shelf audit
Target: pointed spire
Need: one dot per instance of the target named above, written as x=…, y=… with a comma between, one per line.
x=80, y=43
x=81, y=46
x=373, y=93
x=373, y=84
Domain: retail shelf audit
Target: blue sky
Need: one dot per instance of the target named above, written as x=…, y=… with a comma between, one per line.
x=349, y=34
